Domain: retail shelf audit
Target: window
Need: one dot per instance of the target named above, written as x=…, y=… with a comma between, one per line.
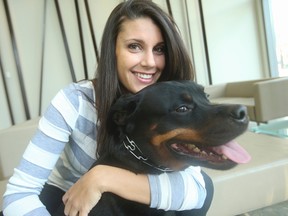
x=275, y=16
x=280, y=17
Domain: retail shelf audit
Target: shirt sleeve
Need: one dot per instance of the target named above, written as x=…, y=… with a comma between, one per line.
x=23, y=188
x=182, y=190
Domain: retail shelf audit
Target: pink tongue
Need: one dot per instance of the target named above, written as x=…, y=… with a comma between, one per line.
x=233, y=151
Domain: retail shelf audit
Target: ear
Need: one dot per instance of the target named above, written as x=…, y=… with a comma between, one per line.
x=122, y=110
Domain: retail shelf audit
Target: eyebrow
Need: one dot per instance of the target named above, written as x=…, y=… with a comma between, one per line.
x=143, y=42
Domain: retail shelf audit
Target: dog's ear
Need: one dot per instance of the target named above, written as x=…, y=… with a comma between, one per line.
x=124, y=108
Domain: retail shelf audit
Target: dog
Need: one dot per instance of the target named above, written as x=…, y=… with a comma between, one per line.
x=165, y=127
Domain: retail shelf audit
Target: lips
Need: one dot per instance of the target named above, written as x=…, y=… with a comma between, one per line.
x=146, y=78
x=143, y=75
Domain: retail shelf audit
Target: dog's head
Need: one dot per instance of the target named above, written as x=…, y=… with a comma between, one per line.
x=174, y=125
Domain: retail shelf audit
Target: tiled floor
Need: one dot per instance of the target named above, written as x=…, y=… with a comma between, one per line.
x=280, y=209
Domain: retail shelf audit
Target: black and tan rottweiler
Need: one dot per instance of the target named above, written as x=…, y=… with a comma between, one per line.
x=169, y=126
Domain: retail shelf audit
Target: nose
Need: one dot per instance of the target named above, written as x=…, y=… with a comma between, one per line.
x=239, y=113
x=148, y=59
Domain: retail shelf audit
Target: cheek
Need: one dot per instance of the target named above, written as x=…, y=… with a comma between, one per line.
x=125, y=61
x=160, y=61
x=121, y=64
x=120, y=58
x=120, y=67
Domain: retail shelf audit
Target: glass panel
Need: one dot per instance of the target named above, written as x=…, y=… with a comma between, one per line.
x=279, y=18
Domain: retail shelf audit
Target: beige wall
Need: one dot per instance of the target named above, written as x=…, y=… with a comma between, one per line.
x=234, y=34
x=235, y=40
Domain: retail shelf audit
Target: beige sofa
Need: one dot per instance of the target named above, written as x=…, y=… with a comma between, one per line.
x=260, y=183
x=266, y=99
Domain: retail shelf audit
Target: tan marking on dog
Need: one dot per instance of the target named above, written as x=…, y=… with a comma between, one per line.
x=181, y=134
x=164, y=158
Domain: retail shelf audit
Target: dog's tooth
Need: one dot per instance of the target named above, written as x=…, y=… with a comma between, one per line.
x=190, y=147
x=224, y=157
x=197, y=150
x=204, y=153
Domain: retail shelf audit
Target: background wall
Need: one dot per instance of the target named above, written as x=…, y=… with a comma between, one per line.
x=235, y=40
x=225, y=40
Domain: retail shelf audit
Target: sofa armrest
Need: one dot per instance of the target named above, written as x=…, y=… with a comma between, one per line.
x=13, y=142
x=216, y=91
x=271, y=99
x=233, y=89
x=243, y=88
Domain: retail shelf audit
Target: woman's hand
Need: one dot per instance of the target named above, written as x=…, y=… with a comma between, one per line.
x=84, y=194
x=87, y=191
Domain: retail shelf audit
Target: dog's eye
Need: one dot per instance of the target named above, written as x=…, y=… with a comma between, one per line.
x=182, y=109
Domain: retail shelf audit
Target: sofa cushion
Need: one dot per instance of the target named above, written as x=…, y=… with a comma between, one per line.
x=13, y=143
x=3, y=184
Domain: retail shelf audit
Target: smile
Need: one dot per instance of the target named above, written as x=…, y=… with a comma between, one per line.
x=144, y=76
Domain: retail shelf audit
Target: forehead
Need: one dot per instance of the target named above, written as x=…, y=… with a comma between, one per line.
x=140, y=28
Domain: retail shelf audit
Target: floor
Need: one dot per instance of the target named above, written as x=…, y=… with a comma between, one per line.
x=277, y=128
x=280, y=209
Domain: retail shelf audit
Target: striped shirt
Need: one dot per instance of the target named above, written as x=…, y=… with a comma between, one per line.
x=63, y=149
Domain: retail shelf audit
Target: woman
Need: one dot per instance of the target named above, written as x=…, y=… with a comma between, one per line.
x=140, y=46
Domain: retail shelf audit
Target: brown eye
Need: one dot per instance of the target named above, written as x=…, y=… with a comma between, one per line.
x=182, y=109
x=159, y=50
x=134, y=47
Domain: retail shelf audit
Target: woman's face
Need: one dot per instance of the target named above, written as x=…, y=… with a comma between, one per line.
x=139, y=53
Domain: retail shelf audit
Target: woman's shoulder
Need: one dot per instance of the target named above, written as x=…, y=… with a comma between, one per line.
x=84, y=85
x=83, y=88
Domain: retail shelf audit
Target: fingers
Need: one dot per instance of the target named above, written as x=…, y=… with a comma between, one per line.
x=83, y=195
x=70, y=211
x=73, y=212
x=65, y=198
x=72, y=208
x=83, y=213
x=67, y=208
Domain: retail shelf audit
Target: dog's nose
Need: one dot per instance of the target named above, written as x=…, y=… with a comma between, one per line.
x=239, y=113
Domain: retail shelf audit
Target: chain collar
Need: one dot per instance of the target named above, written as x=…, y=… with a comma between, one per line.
x=132, y=147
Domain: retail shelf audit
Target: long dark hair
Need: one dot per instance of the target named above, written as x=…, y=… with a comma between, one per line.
x=178, y=65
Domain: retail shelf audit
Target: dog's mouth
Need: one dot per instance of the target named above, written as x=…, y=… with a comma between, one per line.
x=216, y=154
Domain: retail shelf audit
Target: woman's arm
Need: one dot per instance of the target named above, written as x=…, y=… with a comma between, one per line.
x=87, y=191
x=170, y=191
x=23, y=189
x=182, y=190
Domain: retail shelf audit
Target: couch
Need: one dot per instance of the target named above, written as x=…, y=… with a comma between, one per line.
x=266, y=99
x=260, y=183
